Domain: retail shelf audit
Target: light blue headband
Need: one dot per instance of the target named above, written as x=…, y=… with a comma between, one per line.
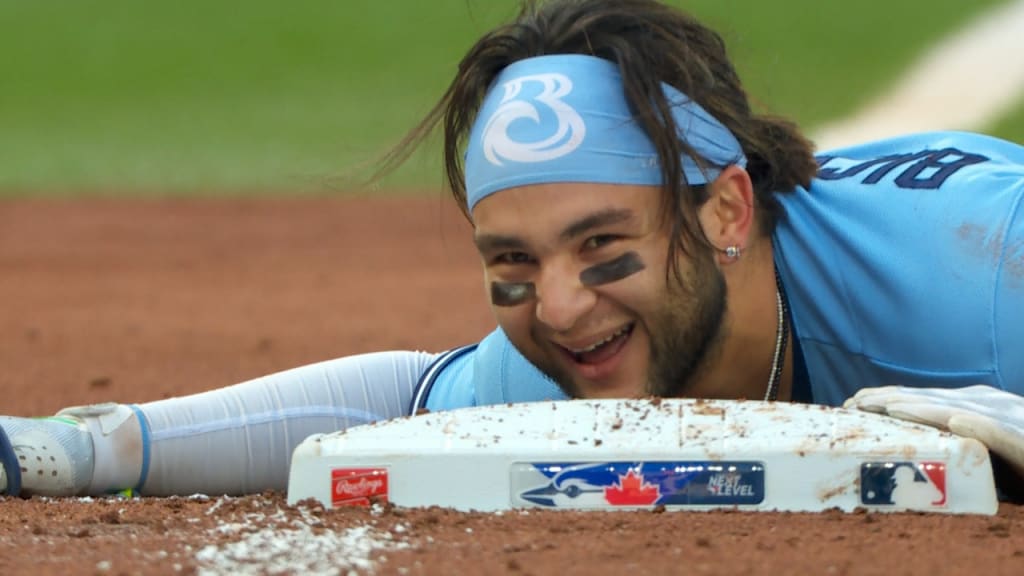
x=565, y=118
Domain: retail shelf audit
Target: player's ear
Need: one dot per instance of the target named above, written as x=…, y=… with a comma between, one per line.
x=727, y=217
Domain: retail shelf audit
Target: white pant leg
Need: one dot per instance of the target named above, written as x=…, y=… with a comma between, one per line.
x=239, y=439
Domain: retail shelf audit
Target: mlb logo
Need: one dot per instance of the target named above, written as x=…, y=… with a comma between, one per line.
x=903, y=484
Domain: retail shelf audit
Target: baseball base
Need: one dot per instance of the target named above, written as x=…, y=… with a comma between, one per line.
x=676, y=454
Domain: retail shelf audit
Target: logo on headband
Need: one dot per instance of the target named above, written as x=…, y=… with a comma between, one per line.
x=551, y=141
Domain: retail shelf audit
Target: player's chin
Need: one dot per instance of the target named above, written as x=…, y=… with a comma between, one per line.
x=605, y=391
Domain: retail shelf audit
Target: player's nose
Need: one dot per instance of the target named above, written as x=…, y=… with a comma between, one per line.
x=561, y=298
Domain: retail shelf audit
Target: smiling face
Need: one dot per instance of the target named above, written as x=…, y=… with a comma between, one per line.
x=578, y=279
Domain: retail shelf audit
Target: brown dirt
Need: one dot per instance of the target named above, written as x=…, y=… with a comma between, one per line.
x=143, y=299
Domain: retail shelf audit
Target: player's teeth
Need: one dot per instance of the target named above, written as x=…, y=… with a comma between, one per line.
x=602, y=342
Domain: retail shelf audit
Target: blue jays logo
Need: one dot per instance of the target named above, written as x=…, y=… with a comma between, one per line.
x=633, y=484
x=903, y=484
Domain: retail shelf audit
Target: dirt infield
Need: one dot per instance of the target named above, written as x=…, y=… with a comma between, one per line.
x=138, y=300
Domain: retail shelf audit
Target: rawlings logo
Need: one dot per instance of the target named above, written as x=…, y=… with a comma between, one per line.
x=567, y=136
x=358, y=486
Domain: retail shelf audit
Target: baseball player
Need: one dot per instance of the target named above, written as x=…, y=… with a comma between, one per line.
x=643, y=232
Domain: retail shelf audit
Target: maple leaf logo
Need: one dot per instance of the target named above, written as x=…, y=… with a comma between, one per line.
x=632, y=491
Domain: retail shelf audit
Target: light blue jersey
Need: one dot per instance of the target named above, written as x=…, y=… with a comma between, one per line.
x=903, y=263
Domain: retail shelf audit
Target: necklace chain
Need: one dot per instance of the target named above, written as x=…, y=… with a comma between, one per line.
x=781, y=339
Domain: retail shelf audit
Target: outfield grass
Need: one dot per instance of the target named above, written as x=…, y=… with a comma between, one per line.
x=185, y=96
x=1011, y=127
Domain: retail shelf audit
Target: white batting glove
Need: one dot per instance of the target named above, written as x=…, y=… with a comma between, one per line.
x=991, y=416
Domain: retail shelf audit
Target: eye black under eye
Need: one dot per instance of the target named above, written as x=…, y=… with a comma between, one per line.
x=512, y=293
x=612, y=271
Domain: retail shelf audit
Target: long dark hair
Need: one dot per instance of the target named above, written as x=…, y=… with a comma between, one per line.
x=651, y=43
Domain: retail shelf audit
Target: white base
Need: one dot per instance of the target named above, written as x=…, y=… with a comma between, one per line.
x=680, y=454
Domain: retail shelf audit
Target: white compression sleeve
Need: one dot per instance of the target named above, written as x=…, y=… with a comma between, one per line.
x=239, y=439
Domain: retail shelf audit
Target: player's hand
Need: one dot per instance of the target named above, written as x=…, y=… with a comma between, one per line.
x=992, y=416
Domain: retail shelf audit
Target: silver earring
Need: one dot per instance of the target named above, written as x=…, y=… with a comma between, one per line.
x=733, y=252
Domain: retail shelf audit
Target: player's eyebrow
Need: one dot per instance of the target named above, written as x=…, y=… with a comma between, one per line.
x=487, y=243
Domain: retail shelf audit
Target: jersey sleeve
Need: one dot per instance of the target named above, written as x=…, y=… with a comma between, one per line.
x=488, y=373
x=447, y=383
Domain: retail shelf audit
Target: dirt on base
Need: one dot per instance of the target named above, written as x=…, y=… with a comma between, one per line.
x=138, y=300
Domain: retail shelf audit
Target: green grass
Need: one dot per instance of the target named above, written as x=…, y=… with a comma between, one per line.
x=1011, y=127
x=195, y=94
x=108, y=96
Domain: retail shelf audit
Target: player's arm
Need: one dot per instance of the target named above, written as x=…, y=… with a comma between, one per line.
x=233, y=440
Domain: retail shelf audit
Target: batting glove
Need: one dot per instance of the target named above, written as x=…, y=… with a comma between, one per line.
x=992, y=416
